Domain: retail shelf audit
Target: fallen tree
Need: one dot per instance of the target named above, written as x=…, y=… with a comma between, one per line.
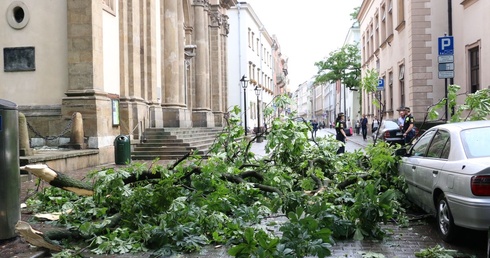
x=218, y=199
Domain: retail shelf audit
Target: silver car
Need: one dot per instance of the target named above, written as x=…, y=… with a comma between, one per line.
x=448, y=174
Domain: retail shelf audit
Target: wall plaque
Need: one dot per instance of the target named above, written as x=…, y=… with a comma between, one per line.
x=17, y=59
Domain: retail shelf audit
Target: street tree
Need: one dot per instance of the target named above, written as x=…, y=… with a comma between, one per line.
x=342, y=65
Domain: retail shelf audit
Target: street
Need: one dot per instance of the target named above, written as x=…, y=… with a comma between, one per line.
x=403, y=242
x=400, y=241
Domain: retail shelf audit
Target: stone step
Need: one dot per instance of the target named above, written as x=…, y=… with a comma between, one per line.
x=173, y=143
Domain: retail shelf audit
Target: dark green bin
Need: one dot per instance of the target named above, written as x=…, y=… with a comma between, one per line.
x=122, y=150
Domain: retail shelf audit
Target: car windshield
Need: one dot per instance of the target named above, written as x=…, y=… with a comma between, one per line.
x=475, y=142
x=389, y=125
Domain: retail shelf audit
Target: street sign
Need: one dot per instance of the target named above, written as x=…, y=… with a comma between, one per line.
x=446, y=59
x=446, y=45
x=446, y=67
x=446, y=74
x=381, y=84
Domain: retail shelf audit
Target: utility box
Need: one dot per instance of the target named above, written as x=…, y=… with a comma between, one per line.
x=9, y=169
x=122, y=150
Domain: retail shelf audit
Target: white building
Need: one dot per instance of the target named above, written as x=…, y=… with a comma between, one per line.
x=250, y=54
x=352, y=97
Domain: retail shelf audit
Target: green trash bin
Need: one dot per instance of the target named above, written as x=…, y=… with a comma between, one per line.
x=122, y=150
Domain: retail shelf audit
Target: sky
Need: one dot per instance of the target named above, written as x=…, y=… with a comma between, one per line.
x=307, y=30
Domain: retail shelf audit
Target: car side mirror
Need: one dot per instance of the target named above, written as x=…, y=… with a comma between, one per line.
x=401, y=152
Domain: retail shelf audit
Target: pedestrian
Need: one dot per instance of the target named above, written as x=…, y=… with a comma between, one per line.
x=358, y=127
x=339, y=128
x=364, y=122
x=408, y=126
x=375, y=125
x=314, y=124
x=401, y=118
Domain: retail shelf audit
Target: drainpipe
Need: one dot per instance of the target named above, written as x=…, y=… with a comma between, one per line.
x=450, y=31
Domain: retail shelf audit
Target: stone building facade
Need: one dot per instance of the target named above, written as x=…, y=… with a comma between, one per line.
x=400, y=40
x=124, y=65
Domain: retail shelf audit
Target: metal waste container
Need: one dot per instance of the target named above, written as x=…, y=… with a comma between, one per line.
x=9, y=169
x=122, y=150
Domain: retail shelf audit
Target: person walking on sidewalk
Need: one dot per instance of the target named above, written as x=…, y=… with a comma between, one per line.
x=364, y=122
x=339, y=129
x=314, y=125
x=375, y=125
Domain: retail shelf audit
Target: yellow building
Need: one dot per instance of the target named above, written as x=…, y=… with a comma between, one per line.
x=124, y=65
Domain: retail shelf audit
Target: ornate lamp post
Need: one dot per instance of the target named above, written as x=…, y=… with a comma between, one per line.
x=257, y=92
x=244, y=82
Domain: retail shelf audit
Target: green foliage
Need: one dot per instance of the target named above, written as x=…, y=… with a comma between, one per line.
x=476, y=105
x=441, y=252
x=342, y=65
x=369, y=81
x=195, y=203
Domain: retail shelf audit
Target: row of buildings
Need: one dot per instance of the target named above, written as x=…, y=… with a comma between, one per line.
x=418, y=48
x=135, y=64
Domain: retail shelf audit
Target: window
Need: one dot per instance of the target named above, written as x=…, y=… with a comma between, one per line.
x=249, y=38
x=439, y=148
x=474, y=54
x=390, y=87
x=475, y=142
x=109, y=6
x=376, y=36
x=420, y=147
x=401, y=12
x=383, y=23
x=251, y=41
x=389, y=20
x=401, y=79
x=258, y=49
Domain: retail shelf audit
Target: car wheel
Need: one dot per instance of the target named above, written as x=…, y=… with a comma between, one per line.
x=445, y=224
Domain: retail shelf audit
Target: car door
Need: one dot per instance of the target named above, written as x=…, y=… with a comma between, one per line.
x=421, y=168
x=434, y=161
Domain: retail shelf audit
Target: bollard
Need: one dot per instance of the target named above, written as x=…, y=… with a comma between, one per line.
x=9, y=169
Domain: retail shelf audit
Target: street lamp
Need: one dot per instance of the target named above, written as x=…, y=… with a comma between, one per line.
x=257, y=92
x=244, y=82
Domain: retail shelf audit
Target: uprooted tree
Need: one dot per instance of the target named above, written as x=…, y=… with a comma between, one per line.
x=222, y=198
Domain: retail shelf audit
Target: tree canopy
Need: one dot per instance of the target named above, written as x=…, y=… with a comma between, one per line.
x=342, y=65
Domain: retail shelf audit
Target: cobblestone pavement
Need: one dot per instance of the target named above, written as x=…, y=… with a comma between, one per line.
x=401, y=242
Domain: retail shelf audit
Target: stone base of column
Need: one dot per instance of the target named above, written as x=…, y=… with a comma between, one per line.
x=156, y=117
x=203, y=119
x=97, y=115
x=176, y=117
x=219, y=120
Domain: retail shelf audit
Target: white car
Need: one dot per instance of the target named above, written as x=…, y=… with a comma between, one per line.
x=448, y=174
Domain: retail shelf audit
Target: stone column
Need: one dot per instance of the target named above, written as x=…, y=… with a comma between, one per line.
x=171, y=94
x=85, y=89
x=174, y=112
x=215, y=64
x=155, y=115
x=201, y=115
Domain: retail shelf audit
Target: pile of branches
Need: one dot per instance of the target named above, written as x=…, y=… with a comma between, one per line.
x=223, y=197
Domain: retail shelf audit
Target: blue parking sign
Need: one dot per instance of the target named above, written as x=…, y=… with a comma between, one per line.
x=446, y=45
x=381, y=84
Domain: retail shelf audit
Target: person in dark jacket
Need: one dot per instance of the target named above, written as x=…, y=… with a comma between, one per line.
x=408, y=130
x=364, y=122
x=314, y=125
x=339, y=128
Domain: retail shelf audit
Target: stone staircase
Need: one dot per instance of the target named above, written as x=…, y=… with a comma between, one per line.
x=173, y=143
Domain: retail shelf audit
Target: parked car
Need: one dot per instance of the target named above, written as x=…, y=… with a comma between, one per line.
x=389, y=132
x=447, y=171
